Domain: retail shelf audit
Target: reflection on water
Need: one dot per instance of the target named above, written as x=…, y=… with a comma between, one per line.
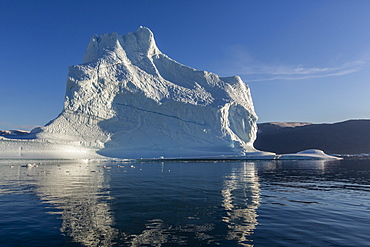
x=149, y=204
x=77, y=193
x=81, y=193
x=188, y=204
x=261, y=203
x=241, y=197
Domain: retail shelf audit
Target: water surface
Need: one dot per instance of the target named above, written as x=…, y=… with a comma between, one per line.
x=260, y=203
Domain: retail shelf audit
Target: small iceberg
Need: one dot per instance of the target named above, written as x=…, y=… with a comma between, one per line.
x=310, y=154
x=31, y=165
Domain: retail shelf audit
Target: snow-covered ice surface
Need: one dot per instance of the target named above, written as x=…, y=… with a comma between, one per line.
x=130, y=101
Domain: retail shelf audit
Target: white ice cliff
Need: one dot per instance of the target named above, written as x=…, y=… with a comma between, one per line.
x=128, y=100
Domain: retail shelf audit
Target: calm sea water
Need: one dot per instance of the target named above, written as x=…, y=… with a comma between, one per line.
x=262, y=203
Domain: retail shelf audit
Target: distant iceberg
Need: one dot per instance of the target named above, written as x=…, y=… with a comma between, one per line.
x=130, y=101
x=313, y=154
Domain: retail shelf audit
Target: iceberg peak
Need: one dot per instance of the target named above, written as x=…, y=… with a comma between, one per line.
x=138, y=44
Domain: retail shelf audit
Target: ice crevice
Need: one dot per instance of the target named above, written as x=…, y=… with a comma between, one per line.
x=159, y=113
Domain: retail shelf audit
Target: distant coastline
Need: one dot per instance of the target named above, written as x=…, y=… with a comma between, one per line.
x=348, y=137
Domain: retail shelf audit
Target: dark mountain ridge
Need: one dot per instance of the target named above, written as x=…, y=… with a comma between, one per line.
x=348, y=137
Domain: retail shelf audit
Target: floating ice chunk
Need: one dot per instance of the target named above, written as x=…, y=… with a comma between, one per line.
x=307, y=155
x=31, y=165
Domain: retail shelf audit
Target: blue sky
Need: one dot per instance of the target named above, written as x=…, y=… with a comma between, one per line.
x=304, y=61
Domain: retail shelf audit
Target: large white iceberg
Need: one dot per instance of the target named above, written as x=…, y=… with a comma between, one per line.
x=130, y=101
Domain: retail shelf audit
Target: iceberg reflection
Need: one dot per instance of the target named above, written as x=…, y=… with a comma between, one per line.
x=154, y=204
x=241, y=198
x=80, y=194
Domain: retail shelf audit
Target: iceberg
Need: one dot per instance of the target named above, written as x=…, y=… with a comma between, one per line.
x=312, y=154
x=128, y=100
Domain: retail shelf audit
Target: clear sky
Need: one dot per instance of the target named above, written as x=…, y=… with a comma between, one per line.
x=305, y=61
